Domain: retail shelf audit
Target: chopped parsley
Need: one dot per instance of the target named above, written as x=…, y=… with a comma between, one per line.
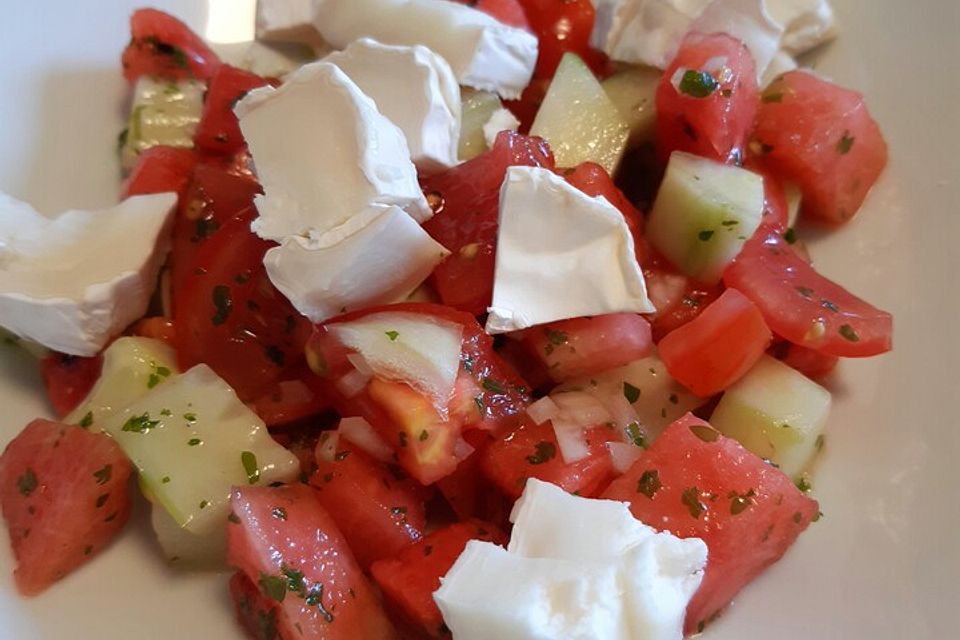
x=190, y=417
x=649, y=483
x=767, y=98
x=555, y=339
x=705, y=235
x=848, y=333
x=87, y=420
x=543, y=452
x=194, y=442
x=279, y=513
x=140, y=424
x=27, y=483
x=157, y=375
x=630, y=392
x=393, y=335
x=103, y=475
x=102, y=500
x=790, y=235
x=636, y=435
x=493, y=386
x=250, y=466
x=691, y=499
x=423, y=435
x=845, y=144
x=223, y=304
x=705, y=433
x=698, y=84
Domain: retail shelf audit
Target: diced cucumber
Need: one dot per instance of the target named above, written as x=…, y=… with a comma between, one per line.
x=192, y=439
x=703, y=214
x=187, y=550
x=794, y=200
x=161, y=113
x=476, y=108
x=131, y=368
x=633, y=91
x=656, y=398
x=776, y=412
x=578, y=119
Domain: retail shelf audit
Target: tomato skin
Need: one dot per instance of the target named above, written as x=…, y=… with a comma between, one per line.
x=562, y=26
x=823, y=138
x=65, y=496
x=718, y=347
x=756, y=514
x=160, y=169
x=219, y=131
x=160, y=45
x=409, y=579
x=282, y=535
x=68, y=379
x=466, y=221
x=509, y=12
x=803, y=306
x=715, y=126
x=583, y=346
x=510, y=460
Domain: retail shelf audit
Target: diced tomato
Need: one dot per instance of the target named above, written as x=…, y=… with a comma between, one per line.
x=219, y=131
x=527, y=106
x=378, y=514
x=467, y=201
x=810, y=363
x=293, y=398
x=68, y=379
x=255, y=612
x=156, y=328
x=64, y=495
x=715, y=349
x=594, y=181
x=160, y=45
x=282, y=539
x=678, y=299
x=562, y=26
x=509, y=12
x=409, y=579
x=160, y=169
x=531, y=451
x=821, y=137
x=707, y=99
x=694, y=482
x=804, y=307
x=583, y=346
x=230, y=316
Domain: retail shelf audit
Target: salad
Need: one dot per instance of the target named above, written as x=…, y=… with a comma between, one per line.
x=431, y=318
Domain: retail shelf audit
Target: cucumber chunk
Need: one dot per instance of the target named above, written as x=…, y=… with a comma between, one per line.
x=703, y=214
x=633, y=91
x=185, y=549
x=579, y=121
x=161, y=113
x=476, y=107
x=777, y=413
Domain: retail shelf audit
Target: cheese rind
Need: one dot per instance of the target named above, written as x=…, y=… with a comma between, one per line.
x=560, y=254
x=74, y=281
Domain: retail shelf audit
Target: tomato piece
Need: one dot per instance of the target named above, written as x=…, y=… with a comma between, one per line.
x=294, y=398
x=583, y=346
x=378, y=514
x=466, y=220
x=509, y=12
x=531, y=451
x=526, y=107
x=694, y=482
x=160, y=169
x=594, y=181
x=219, y=131
x=677, y=298
x=409, y=579
x=64, y=495
x=230, y=316
x=718, y=347
x=707, y=99
x=282, y=539
x=563, y=26
x=156, y=328
x=68, y=379
x=821, y=137
x=810, y=363
x=804, y=307
x=160, y=45
x=255, y=612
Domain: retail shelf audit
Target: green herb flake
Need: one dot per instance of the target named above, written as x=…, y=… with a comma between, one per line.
x=674, y=398
x=233, y=518
x=555, y=339
x=845, y=144
x=543, y=452
x=103, y=475
x=819, y=442
x=250, y=467
x=769, y=98
x=698, y=84
x=166, y=413
x=649, y=483
x=691, y=499
x=424, y=435
x=636, y=435
x=806, y=292
x=393, y=335
x=140, y=424
x=204, y=504
x=730, y=223
x=87, y=550
x=705, y=433
x=190, y=417
x=274, y=587
x=829, y=306
x=478, y=400
x=102, y=500
x=798, y=517
x=193, y=442
x=27, y=482
x=223, y=304
x=279, y=513
x=790, y=235
x=705, y=235
x=87, y=421
x=803, y=483
x=493, y=386
x=630, y=392
x=165, y=480
x=848, y=333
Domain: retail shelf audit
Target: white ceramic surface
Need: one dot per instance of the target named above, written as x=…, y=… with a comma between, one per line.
x=884, y=563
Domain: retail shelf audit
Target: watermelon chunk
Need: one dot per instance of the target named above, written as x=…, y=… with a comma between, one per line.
x=255, y=612
x=64, y=496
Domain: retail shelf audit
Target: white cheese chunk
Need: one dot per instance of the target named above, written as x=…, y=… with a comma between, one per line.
x=500, y=120
x=378, y=257
x=779, y=64
x=289, y=21
x=749, y=22
x=74, y=281
x=643, y=31
x=418, y=350
x=807, y=23
x=484, y=53
x=560, y=254
x=413, y=87
x=323, y=152
x=276, y=60
x=576, y=568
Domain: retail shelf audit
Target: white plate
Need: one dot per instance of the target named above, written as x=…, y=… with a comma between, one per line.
x=883, y=563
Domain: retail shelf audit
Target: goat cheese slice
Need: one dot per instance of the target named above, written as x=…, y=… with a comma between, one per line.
x=749, y=22
x=380, y=256
x=73, y=281
x=289, y=21
x=807, y=23
x=500, y=120
x=643, y=31
x=415, y=89
x=560, y=254
x=483, y=52
x=323, y=152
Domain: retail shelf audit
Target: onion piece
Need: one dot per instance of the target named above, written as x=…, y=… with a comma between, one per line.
x=543, y=409
x=623, y=455
x=361, y=433
x=582, y=408
x=352, y=383
x=571, y=438
x=360, y=363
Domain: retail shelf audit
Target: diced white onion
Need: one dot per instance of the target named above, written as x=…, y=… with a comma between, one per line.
x=543, y=409
x=715, y=64
x=360, y=363
x=361, y=433
x=353, y=383
x=623, y=455
x=582, y=408
x=570, y=437
x=620, y=408
x=327, y=446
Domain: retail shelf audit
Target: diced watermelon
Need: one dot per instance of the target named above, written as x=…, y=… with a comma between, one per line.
x=409, y=579
x=283, y=540
x=694, y=482
x=159, y=169
x=68, y=379
x=219, y=131
x=255, y=612
x=64, y=496
x=160, y=45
